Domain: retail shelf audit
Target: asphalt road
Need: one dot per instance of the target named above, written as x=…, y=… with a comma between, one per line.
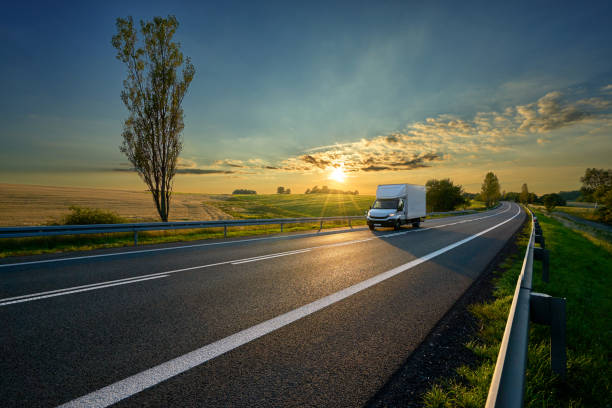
x=294, y=320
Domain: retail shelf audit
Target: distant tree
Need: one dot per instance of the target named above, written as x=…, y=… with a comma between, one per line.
x=280, y=190
x=512, y=196
x=324, y=190
x=442, y=195
x=553, y=200
x=605, y=211
x=153, y=93
x=490, y=191
x=597, y=187
x=356, y=192
x=315, y=190
x=307, y=191
x=244, y=191
x=573, y=195
x=288, y=191
x=595, y=184
x=550, y=201
x=524, y=197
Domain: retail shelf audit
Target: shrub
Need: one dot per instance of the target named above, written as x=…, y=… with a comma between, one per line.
x=84, y=215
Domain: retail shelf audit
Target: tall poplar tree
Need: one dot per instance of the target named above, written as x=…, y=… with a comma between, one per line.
x=153, y=93
x=524, y=196
x=490, y=191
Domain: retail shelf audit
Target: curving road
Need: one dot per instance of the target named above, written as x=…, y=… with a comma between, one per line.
x=294, y=320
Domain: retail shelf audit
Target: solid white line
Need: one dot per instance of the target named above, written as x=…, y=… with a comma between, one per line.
x=127, y=387
x=66, y=291
x=76, y=287
x=80, y=290
x=192, y=246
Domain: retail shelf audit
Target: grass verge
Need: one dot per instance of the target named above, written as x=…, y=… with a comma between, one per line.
x=53, y=244
x=579, y=271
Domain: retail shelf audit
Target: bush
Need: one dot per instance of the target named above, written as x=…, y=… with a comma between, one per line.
x=244, y=191
x=84, y=216
x=443, y=195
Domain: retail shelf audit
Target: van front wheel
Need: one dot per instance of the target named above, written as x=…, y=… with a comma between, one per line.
x=397, y=225
x=371, y=227
x=416, y=224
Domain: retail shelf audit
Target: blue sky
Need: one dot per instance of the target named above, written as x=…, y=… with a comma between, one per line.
x=277, y=83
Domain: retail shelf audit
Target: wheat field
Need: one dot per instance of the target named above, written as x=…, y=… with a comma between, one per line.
x=38, y=205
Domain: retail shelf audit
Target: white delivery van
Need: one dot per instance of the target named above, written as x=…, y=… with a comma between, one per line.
x=397, y=204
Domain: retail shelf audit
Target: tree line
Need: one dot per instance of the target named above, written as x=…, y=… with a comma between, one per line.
x=444, y=195
x=327, y=190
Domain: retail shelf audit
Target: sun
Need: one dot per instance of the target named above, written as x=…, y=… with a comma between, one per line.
x=338, y=175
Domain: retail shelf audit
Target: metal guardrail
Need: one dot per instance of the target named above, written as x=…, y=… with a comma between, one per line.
x=43, y=231
x=38, y=231
x=508, y=384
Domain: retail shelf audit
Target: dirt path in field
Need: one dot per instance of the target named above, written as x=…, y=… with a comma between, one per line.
x=38, y=205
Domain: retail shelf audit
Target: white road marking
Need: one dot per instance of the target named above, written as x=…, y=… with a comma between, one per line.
x=191, y=246
x=99, y=285
x=127, y=387
x=178, y=247
x=263, y=257
x=67, y=292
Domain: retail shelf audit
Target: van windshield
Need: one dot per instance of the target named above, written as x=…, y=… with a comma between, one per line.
x=390, y=204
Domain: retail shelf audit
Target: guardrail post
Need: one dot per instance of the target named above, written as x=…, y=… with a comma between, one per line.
x=350, y=226
x=543, y=255
x=558, y=358
x=539, y=238
x=321, y=226
x=548, y=310
x=281, y=227
x=135, y=237
x=225, y=231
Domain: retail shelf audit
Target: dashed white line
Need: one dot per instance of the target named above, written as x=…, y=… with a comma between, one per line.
x=127, y=387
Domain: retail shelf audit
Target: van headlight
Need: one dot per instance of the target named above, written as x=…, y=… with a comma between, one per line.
x=391, y=215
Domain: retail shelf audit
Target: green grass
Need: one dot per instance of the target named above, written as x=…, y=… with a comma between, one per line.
x=581, y=212
x=580, y=272
x=293, y=205
x=43, y=245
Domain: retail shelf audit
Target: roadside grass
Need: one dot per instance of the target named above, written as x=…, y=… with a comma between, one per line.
x=580, y=272
x=43, y=245
x=581, y=212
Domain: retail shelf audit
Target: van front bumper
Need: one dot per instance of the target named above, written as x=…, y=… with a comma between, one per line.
x=385, y=222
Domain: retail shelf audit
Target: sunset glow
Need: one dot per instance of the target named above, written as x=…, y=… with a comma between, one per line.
x=404, y=94
x=338, y=175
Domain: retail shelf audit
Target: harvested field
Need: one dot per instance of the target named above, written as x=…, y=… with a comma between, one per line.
x=37, y=205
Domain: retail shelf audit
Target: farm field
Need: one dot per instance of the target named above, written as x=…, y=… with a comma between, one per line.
x=291, y=205
x=38, y=205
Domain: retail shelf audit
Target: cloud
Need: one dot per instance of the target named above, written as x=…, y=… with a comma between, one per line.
x=607, y=88
x=229, y=163
x=203, y=171
x=448, y=138
x=184, y=171
x=550, y=112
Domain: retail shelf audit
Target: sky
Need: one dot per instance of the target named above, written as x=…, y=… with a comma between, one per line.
x=293, y=93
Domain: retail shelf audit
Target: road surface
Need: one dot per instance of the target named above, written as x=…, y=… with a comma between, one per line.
x=293, y=320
